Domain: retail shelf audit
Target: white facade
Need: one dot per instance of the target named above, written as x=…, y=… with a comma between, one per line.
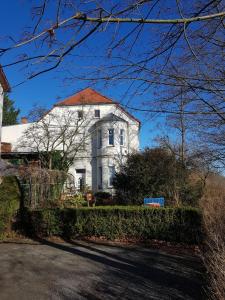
x=4, y=87
x=110, y=135
x=1, y=109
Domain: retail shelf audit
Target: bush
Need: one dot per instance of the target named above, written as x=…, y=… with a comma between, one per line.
x=170, y=224
x=103, y=198
x=75, y=201
x=156, y=172
x=9, y=203
x=213, y=210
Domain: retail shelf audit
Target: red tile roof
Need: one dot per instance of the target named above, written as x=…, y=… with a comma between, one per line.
x=128, y=114
x=90, y=96
x=86, y=96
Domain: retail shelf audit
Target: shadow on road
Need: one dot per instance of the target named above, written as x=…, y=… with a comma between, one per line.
x=147, y=274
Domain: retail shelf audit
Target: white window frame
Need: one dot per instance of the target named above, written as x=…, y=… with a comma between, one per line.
x=113, y=136
x=97, y=110
x=111, y=175
x=122, y=137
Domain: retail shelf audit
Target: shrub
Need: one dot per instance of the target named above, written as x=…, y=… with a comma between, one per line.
x=213, y=209
x=9, y=203
x=103, y=198
x=156, y=172
x=75, y=201
x=170, y=224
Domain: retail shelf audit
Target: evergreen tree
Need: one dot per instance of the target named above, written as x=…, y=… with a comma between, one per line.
x=10, y=113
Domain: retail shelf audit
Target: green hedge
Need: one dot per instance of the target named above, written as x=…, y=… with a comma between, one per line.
x=170, y=224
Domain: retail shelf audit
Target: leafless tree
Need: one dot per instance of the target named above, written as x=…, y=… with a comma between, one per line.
x=154, y=46
x=156, y=25
x=57, y=136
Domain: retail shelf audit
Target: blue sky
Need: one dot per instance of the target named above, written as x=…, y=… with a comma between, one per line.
x=48, y=88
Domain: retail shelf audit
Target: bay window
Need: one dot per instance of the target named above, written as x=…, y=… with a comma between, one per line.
x=111, y=137
x=112, y=172
x=99, y=138
x=100, y=178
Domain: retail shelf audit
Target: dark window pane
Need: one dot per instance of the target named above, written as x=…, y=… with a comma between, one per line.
x=80, y=114
x=111, y=175
x=97, y=113
x=99, y=139
x=100, y=178
x=111, y=136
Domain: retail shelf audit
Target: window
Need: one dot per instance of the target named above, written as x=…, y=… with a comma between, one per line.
x=111, y=137
x=80, y=171
x=80, y=179
x=111, y=175
x=100, y=178
x=80, y=114
x=99, y=138
x=97, y=113
x=122, y=137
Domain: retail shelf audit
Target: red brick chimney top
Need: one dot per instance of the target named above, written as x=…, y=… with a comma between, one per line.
x=24, y=120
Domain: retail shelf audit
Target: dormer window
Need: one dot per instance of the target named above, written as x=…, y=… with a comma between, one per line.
x=97, y=113
x=80, y=114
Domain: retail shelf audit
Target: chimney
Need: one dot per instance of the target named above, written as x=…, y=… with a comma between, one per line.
x=24, y=120
x=6, y=147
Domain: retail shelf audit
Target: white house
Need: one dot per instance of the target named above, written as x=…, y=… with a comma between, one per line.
x=4, y=87
x=109, y=134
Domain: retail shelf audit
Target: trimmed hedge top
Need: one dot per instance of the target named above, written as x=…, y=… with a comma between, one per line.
x=118, y=222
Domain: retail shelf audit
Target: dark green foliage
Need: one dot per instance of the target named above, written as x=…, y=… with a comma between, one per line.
x=154, y=173
x=150, y=173
x=170, y=224
x=103, y=198
x=10, y=114
x=9, y=203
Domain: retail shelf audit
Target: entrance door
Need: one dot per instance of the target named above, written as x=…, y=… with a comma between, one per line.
x=80, y=179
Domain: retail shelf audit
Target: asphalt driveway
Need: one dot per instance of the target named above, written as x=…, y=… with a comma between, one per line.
x=84, y=270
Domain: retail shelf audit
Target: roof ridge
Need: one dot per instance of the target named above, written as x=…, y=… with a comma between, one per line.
x=90, y=96
x=75, y=100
